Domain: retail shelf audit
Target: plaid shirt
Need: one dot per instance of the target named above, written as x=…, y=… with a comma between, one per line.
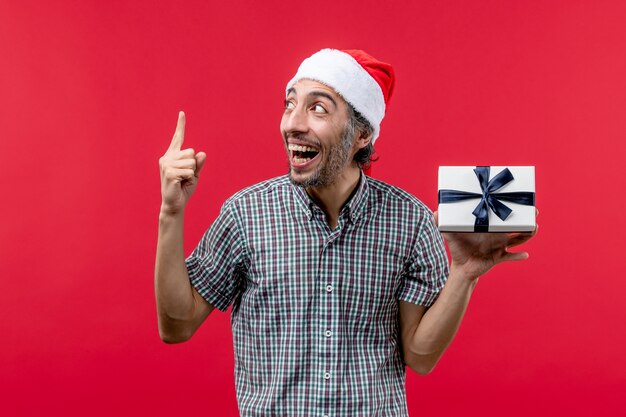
x=315, y=310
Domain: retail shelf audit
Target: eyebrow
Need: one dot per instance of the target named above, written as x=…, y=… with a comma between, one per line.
x=315, y=94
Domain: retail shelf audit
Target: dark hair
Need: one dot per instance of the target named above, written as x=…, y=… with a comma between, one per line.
x=358, y=124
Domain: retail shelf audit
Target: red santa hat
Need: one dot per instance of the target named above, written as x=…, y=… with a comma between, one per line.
x=362, y=80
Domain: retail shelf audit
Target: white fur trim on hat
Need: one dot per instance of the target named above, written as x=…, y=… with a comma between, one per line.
x=347, y=77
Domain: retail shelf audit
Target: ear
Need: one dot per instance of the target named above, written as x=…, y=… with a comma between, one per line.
x=362, y=140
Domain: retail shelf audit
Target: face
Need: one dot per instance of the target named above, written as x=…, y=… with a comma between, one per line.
x=319, y=146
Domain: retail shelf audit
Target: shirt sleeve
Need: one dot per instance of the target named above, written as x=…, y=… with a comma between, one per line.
x=218, y=263
x=427, y=270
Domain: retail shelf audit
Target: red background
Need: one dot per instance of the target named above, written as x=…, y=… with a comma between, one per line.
x=89, y=93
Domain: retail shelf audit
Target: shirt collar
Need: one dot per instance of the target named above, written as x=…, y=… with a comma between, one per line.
x=353, y=208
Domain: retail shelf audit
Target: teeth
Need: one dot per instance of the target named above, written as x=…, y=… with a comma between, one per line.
x=299, y=148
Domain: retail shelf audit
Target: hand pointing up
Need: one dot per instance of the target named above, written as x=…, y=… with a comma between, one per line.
x=179, y=171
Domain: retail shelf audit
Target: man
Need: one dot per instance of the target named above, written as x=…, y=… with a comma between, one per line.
x=337, y=281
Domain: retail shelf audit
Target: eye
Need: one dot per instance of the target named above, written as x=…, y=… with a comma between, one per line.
x=289, y=105
x=318, y=108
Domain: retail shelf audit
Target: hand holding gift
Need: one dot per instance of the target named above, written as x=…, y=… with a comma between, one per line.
x=473, y=254
x=474, y=202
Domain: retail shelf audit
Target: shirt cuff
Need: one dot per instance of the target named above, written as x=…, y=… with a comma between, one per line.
x=211, y=294
x=419, y=296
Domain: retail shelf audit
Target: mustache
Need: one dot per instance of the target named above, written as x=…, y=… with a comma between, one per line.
x=304, y=139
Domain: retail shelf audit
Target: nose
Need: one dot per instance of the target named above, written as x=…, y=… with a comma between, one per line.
x=295, y=120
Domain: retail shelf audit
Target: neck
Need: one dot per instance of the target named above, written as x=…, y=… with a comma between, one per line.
x=333, y=197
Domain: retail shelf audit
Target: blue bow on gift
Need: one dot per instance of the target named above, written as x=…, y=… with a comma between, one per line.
x=489, y=198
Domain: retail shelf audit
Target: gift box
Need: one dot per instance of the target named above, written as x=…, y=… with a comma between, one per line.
x=486, y=199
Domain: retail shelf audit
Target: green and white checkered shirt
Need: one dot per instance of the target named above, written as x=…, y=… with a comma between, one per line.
x=315, y=310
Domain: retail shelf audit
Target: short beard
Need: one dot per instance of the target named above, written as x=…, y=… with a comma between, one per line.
x=329, y=170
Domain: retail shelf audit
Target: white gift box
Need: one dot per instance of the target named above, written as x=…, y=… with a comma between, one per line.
x=461, y=195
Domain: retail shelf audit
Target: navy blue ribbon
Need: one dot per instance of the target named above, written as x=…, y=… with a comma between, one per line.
x=489, y=199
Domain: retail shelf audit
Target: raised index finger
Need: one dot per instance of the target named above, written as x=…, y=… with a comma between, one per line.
x=179, y=134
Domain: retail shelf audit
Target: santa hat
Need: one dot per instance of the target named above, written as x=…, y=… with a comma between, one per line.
x=362, y=80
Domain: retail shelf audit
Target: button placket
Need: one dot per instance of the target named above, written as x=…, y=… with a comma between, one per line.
x=327, y=320
x=327, y=343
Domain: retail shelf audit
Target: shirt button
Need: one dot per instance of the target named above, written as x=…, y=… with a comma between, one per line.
x=328, y=333
x=329, y=288
x=326, y=375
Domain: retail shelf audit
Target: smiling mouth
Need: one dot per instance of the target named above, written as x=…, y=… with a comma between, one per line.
x=301, y=155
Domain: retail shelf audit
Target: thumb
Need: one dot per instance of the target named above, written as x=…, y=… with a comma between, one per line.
x=200, y=160
x=436, y=216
